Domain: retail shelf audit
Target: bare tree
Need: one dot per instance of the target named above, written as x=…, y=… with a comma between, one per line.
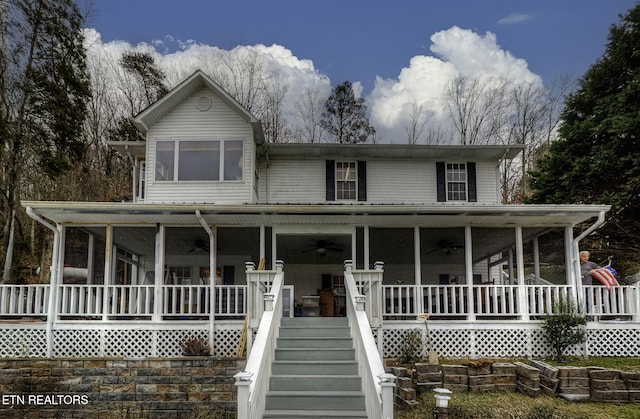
x=476, y=107
x=308, y=111
x=418, y=119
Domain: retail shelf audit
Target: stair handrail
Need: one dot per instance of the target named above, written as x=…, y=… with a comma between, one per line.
x=253, y=382
x=377, y=385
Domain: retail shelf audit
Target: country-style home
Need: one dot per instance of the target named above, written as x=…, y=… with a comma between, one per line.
x=227, y=234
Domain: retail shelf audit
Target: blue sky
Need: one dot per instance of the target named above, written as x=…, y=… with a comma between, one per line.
x=359, y=40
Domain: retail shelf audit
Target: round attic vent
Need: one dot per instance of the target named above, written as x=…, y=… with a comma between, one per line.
x=204, y=104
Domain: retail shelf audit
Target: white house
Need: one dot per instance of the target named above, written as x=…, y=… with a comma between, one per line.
x=211, y=195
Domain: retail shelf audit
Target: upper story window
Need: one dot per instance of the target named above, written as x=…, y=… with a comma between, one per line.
x=208, y=160
x=456, y=182
x=346, y=180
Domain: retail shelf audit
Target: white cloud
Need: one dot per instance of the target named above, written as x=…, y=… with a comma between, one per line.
x=424, y=81
x=420, y=85
x=514, y=19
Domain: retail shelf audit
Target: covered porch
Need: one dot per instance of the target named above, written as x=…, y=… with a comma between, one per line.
x=162, y=273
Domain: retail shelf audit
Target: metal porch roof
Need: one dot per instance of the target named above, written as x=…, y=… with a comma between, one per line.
x=436, y=215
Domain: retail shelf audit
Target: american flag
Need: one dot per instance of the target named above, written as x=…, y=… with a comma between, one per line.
x=607, y=276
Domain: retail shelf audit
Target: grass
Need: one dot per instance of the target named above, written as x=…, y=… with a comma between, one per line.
x=515, y=405
x=518, y=406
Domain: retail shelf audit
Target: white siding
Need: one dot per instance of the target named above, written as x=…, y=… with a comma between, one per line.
x=294, y=181
x=388, y=182
x=486, y=183
x=410, y=182
x=217, y=123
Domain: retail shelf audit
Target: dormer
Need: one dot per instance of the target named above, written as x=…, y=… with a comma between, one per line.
x=200, y=147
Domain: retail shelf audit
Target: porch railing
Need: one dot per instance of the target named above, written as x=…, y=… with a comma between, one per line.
x=24, y=300
x=123, y=302
x=452, y=302
x=377, y=385
x=253, y=382
x=397, y=302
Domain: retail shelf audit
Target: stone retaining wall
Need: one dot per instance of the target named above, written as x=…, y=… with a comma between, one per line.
x=198, y=387
x=570, y=383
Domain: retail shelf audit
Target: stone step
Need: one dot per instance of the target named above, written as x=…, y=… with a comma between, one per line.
x=314, y=400
x=314, y=368
x=314, y=321
x=314, y=331
x=314, y=414
x=309, y=382
x=314, y=342
x=306, y=354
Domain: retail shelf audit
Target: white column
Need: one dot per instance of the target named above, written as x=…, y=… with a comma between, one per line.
x=416, y=256
x=522, y=291
x=536, y=259
x=91, y=260
x=108, y=268
x=159, y=273
x=468, y=265
x=366, y=264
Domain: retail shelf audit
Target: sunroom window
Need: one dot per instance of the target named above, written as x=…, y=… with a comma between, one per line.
x=199, y=160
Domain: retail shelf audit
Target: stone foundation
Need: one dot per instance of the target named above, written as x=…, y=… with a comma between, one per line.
x=118, y=388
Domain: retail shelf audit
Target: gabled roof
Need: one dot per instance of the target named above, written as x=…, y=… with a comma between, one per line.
x=198, y=80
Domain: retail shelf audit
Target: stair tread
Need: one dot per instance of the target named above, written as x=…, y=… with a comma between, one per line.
x=319, y=393
x=303, y=413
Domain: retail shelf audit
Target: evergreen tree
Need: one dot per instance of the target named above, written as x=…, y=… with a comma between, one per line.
x=595, y=161
x=344, y=116
x=44, y=88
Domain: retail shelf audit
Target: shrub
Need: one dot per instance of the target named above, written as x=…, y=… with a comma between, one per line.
x=410, y=346
x=195, y=347
x=564, y=328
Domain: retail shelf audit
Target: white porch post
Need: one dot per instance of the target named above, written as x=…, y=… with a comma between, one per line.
x=91, y=260
x=468, y=266
x=572, y=266
x=366, y=248
x=522, y=290
x=417, y=269
x=55, y=279
x=159, y=273
x=536, y=259
x=511, y=275
x=263, y=247
x=108, y=268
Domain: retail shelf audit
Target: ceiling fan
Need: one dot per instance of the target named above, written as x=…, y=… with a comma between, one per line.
x=323, y=246
x=446, y=246
x=199, y=246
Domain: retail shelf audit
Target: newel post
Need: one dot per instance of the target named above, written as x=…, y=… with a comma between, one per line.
x=243, y=381
x=387, y=385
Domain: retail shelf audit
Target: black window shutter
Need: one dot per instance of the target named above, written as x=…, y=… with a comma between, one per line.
x=440, y=180
x=331, y=180
x=362, y=180
x=471, y=182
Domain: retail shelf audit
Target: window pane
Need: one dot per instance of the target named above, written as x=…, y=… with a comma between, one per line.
x=456, y=182
x=233, y=160
x=199, y=160
x=164, y=160
x=346, y=185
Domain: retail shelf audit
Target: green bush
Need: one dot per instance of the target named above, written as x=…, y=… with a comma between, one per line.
x=564, y=328
x=410, y=346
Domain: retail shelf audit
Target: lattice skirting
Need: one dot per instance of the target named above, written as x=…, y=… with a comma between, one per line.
x=23, y=343
x=491, y=342
x=138, y=343
x=510, y=342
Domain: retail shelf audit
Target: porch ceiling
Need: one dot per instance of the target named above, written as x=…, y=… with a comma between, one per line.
x=264, y=214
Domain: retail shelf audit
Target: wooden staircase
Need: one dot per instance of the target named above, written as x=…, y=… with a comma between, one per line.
x=314, y=372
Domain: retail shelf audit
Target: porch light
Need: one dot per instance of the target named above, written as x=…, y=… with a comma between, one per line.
x=442, y=397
